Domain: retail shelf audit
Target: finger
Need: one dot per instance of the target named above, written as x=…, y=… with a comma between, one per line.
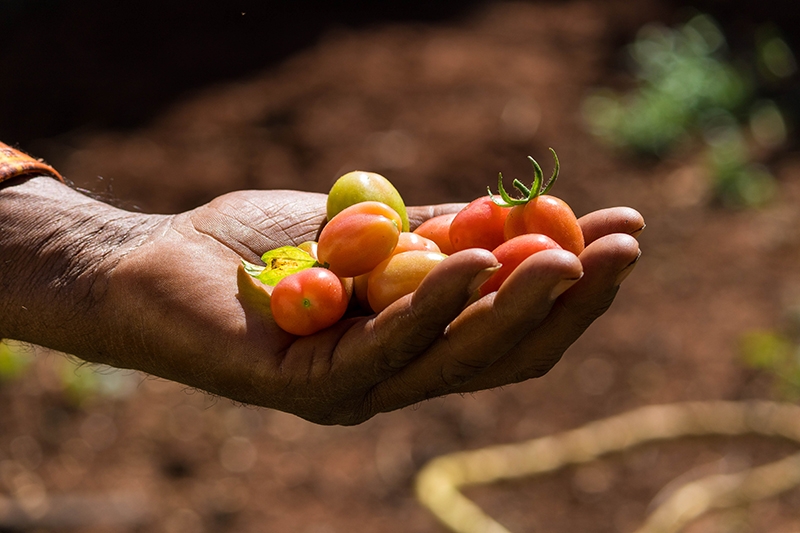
x=606, y=262
x=484, y=331
x=612, y=220
x=387, y=342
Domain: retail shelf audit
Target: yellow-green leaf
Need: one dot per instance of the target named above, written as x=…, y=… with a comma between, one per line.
x=279, y=263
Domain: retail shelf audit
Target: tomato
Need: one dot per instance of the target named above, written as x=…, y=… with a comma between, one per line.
x=358, y=238
x=437, y=229
x=538, y=212
x=553, y=217
x=398, y=276
x=359, y=186
x=513, y=252
x=406, y=243
x=309, y=247
x=479, y=225
x=413, y=241
x=308, y=301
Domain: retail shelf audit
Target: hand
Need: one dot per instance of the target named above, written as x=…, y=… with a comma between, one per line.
x=170, y=306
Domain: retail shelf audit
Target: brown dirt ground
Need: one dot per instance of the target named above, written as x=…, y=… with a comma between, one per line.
x=439, y=109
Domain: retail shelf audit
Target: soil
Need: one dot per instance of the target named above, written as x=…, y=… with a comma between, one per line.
x=438, y=103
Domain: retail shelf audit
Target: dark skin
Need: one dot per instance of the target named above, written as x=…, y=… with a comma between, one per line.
x=161, y=294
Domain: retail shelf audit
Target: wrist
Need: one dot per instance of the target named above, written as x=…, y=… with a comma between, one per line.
x=58, y=248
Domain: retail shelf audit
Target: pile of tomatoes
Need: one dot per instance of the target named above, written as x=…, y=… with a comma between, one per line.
x=366, y=257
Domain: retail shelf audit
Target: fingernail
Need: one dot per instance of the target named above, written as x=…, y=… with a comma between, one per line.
x=481, y=277
x=562, y=286
x=636, y=233
x=627, y=270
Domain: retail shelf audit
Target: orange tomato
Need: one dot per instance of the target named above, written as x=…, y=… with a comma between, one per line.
x=358, y=238
x=437, y=229
x=398, y=276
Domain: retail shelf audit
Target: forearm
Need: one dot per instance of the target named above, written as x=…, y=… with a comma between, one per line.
x=57, y=248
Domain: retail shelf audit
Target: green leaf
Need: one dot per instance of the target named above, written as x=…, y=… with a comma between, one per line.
x=279, y=263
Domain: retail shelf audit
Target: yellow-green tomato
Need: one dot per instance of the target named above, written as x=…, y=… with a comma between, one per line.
x=399, y=275
x=359, y=186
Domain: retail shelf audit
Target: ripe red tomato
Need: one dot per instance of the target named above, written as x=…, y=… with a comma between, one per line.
x=513, y=252
x=549, y=216
x=437, y=229
x=308, y=301
x=538, y=212
x=479, y=225
x=399, y=275
x=358, y=238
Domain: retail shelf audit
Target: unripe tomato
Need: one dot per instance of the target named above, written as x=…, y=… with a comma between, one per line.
x=308, y=301
x=513, y=252
x=399, y=275
x=358, y=186
x=358, y=238
x=437, y=229
x=549, y=216
x=479, y=225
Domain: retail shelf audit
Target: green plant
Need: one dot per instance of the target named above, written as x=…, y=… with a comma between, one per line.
x=687, y=88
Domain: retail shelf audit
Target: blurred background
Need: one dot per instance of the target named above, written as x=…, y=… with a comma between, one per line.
x=686, y=111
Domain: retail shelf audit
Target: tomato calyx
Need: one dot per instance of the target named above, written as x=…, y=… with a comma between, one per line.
x=538, y=188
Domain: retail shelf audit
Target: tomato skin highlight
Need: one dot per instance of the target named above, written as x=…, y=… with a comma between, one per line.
x=513, y=252
x=479, y=225
x=308, y=301
x=399, y=275
x=437, y=229
x=358, y=238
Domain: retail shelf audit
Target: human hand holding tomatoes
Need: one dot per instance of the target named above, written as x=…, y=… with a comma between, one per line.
x=176, y=309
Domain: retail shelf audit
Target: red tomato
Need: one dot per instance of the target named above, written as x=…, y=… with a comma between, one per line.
x=399, y=275
x=437, y=229
x=549, y=216
x=479, y=225
x=358, y=238
x=308, y=301
x=515, y=223
x=513, y=252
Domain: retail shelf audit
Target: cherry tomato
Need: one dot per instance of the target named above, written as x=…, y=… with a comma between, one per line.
x=399, y=275
x=550, y=216
x=513, y=252
x=358, y=238
x=406, y=243
x=437, y=229
x=479, y=225
x=308, y=301
x=358, y=186
x=538, y=212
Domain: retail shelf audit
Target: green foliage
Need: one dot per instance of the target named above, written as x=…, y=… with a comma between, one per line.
x=777, y=354
x=77, y=381
x=687, y=89
x=13, y=361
